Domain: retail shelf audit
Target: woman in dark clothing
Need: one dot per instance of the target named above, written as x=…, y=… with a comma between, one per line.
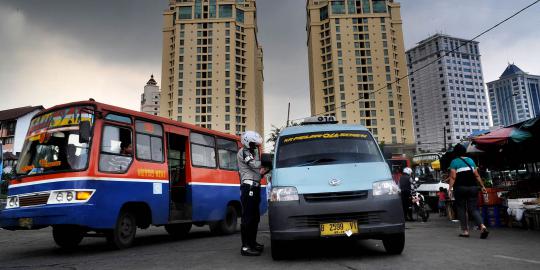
x=464, y=181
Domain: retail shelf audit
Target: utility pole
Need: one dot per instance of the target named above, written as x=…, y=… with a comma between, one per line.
x=444, y=138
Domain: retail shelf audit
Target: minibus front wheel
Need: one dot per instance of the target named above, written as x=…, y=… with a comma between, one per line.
x=67, y=236
x=123, y=234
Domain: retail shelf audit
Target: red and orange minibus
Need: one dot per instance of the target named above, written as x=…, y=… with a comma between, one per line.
x=89, y=168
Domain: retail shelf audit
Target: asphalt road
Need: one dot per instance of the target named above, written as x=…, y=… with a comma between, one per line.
x=431, y=245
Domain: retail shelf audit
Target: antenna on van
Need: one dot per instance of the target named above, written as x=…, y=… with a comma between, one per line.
x=288, y=113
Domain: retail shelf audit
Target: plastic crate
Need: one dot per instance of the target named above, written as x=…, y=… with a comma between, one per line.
x=494, y=216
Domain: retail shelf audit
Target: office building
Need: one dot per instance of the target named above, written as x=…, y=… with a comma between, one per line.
x=212, y=70
x=356, y=55
x=514, y=97
x=448, y=94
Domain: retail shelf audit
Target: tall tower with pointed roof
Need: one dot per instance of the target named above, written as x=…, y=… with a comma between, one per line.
x=514, y=97
x=150, y=97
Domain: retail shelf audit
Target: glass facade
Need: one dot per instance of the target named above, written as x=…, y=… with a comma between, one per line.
x=351, y=6
x=185, y=13
x=338, y=7
x=324, y=13
x=225, y=11
x=366, y=6
x=212, y=9
x=379, y=6
x=239, y=15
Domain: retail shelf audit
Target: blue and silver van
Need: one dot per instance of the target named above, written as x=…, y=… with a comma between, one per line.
x=331, y=180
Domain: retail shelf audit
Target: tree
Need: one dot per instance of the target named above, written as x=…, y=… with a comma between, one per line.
x=274, y=135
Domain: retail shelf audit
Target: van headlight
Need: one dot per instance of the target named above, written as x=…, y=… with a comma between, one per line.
x=284, y=194
x=70, y=196
x=387, y=187
x=12, y=202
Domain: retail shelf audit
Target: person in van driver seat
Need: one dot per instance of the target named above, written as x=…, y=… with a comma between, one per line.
x=251, y=173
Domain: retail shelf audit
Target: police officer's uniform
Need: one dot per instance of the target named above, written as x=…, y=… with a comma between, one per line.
x=250, y=187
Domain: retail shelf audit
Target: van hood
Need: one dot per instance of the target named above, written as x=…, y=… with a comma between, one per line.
x=316, y=179
x=432, y=187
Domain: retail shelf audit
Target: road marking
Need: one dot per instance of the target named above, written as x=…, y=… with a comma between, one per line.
x=516, y=259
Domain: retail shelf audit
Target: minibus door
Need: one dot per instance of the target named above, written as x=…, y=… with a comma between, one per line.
x=180, y=207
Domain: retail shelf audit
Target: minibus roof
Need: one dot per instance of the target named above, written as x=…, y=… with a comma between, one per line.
x=323, y=127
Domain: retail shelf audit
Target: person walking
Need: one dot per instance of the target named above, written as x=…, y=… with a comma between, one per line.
x=464, y=183
x=405, y=187
x=251, y=173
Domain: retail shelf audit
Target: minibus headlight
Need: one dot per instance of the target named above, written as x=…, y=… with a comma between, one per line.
x=387, y=187
x=69, y=196
x=283, y=194
x=12, y=202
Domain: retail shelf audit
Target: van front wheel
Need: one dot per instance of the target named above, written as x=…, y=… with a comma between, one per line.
x=394, y=243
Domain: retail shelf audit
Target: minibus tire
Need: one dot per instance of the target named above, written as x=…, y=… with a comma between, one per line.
x=280, y=250
x=123, y=234
x=228, y=225
x=67, y=236
x=178, y=230
x=394, y=243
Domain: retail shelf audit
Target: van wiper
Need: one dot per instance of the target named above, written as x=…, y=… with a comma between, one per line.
x=315, y=161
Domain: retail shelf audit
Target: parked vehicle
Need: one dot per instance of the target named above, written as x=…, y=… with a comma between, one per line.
x=331, y=180
x=429, y=179
x=419, y=204
x=88, y=168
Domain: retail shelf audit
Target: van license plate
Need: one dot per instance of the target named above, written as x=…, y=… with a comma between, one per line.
x=340, y=228
x=26, y=222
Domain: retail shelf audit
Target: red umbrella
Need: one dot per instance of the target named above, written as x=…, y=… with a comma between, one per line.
x=502, y=136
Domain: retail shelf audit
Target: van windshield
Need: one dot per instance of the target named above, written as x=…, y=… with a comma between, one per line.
x=323, y=148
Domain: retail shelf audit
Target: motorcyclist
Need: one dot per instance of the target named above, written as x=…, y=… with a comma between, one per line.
x=251, y=173
x=405, y=186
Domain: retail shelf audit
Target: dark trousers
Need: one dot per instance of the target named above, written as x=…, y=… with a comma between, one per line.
x=467, y=201
x=250, y=214
x=407, y=204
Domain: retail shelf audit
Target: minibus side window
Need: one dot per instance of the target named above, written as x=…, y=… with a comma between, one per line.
x=115, y=155
x=203, y=150
x=227, y=151
x=149, y=141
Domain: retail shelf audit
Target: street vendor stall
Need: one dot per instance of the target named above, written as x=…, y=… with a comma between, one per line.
x=511, y=166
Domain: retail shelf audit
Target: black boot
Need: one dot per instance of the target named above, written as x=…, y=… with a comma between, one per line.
x=258, y=247
x=247, y=251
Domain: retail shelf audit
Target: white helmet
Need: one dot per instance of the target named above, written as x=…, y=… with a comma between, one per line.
x=251, y=137
x=407, y=170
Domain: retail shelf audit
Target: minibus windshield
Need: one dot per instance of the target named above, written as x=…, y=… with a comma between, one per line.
x=323, y=148
x=52, y=143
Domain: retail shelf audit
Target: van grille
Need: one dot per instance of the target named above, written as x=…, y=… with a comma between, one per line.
x=316, y=220
x=336, y=196
x=33, y=199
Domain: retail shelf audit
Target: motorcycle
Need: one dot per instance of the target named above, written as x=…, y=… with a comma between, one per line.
x=419, y=204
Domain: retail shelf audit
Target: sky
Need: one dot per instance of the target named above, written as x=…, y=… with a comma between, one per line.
x=57, y=51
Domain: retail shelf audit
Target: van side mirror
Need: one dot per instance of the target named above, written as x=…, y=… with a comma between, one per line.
x=84, y=131
x=267, y=160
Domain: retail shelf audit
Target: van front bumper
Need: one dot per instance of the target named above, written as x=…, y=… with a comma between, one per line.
x=376, y=217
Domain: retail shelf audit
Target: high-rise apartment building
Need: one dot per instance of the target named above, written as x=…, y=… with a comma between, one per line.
x=212, y=71
x=514, y=97
x=448, y=96
x=150, y=97
x=356, y=55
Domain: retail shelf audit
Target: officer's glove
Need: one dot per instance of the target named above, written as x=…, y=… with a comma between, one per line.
x=248, y=158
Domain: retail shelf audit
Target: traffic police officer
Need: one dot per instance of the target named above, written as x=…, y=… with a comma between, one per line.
x=250, y=170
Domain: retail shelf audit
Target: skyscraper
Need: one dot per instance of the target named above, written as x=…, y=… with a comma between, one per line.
x=448, y=96
x=356, y=54
x=212, y=65
x=150, y=97
x=514, y=97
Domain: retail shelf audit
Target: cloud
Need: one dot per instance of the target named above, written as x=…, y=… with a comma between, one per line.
x=42, y=66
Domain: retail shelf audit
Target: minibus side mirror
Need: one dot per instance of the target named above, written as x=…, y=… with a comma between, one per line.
x=84, y=131
x=267, y=160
